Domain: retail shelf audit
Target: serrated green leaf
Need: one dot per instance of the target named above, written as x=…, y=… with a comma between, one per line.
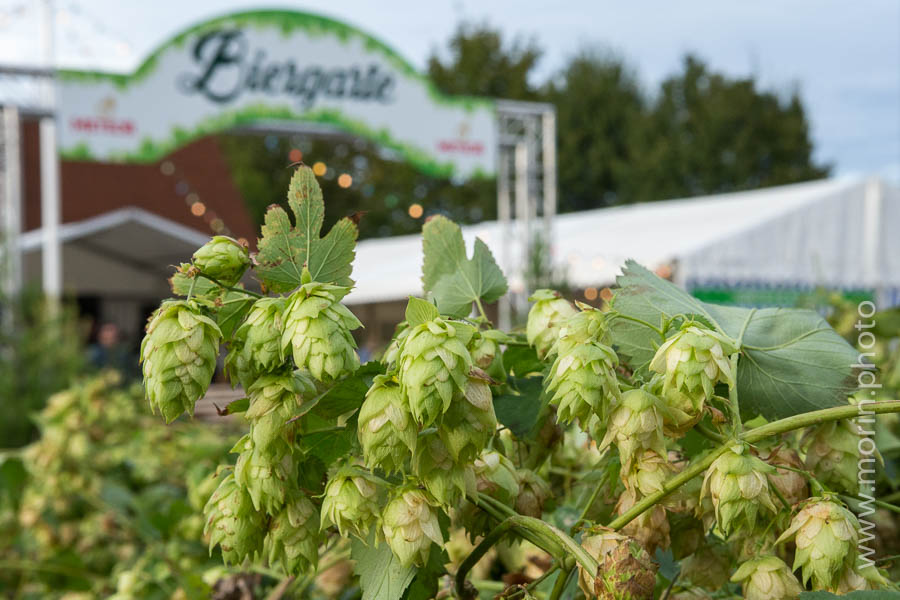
x=792, y=361
x=232, y=308
x=518, y=409
x=419, y=311
x=381, y=576
x=285, y=249
x=454, y=280
x=522, y=360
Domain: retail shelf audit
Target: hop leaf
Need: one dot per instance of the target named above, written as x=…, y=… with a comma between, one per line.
x=350, y=502
x=179, y=357
x=293, y=538
x=232, y=523
x=386, y=428
x=738, y=485
x=410, y=525
x=256, y=345
x=767, y=578
x=546, y=317
x=223, y=259
x=317, y=331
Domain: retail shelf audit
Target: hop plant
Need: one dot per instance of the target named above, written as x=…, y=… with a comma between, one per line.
x=387, y=431
x=826, y=536
x=861, y=577
x=648, y=472
x=545, y=318
x=410, y=525
x=583, y=377
x=267, y=474
x=626, y=571
x=533, y=493
x=293, y=538
x=486, y=353
x=832, y=454
x=317, y=331
x=434, y=466
x=738, y=486
x=767, y=578
x=467, y=426
x=790, y=484
x=223, y=258
x=693, y=361
x=350, y=502
x=256, y=345
x=233, y=523
x=179, y=357
x=636, y=424
x=495, y=475
x=434, y=367
x=274, y=400
x=651, y=528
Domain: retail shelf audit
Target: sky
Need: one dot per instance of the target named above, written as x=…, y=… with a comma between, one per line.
x=843, y=57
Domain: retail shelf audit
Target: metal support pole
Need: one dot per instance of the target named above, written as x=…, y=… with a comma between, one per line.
x=871, y=240
x=504, y=216
x=11, y=203
x=549, y=168
x=51, y=255
x=523, y=226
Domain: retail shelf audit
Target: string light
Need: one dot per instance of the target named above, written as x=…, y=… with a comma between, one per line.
x=416, y=210
x=345, y=180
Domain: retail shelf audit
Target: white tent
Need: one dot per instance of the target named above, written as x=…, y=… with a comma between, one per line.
x=839, y=234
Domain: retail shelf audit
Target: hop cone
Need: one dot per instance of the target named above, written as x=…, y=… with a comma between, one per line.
x=467, y=426
x=533, y=493
x=636, y=424
x=434, y=367
x=266, y=473
x=626, y=571
x=864, y=576
x=790, y=484
x=392, y=352
x=767, y=578
x=599, y=543
x=317, y=331
x=274, y=400
x=648, y=472
x=826, y=536
x=293, y=539
x=583, y=377
x=434, y=466
x=486, y=353
x=738, y=486
x=495, y=475
x=350, y=503
x=545, y=318
x=386, y=428
x=179, y=357
x=232, y=523
x=651, y=528
x=223, y=259
x=693, y=361
x=832, y=454
x=256, y=345
x=410, y=525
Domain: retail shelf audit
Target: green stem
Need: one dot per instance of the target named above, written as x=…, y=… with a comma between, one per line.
x=559, y=585
x=44, y=567
x=734, y=406
x=587, y=508
x=481, y=310
x=781, y=497
x=617, y=315
x=879, y=503
x=191, y=289
x=709, y=433
x=226, y=287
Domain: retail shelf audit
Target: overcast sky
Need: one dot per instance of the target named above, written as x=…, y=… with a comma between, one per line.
x=843, y=56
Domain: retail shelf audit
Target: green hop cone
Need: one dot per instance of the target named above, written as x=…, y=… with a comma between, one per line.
x=467, y=427
x=693, y=361
x=274, y=400
x=386, y=429
x=651, y=528
x=790, y=484
x=446, y=479
x=317, y=331
x=179, y=357
x=626, y=571
x=549, y=312
x=410, y=525
x=434, y=367
x=293, y=538
x=487, y=354
x=267, y=474
x=583, y=376
x=350, y=502
x=767, y=578
x=826, y=536
x=832, y=454
x=256, y=346
x=738, y=485
x=636, y=424
x=496, y=476
x=232, y=523
x=648, y=472
x=863, y=576
x=223, y=258
x=392, y=352
x=533, y=493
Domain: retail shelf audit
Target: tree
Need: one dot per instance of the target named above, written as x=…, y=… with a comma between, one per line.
x=481, y=64
x=708, y=133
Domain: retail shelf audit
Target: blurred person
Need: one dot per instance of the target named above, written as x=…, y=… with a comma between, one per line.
x=108, y=351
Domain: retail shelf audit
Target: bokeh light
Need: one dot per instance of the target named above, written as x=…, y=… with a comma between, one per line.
x=591, y=293
x=197, y=209
x=295, y=155
x=217, y=225
x=319, y=168
x=345, y=180
x=416, y=210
